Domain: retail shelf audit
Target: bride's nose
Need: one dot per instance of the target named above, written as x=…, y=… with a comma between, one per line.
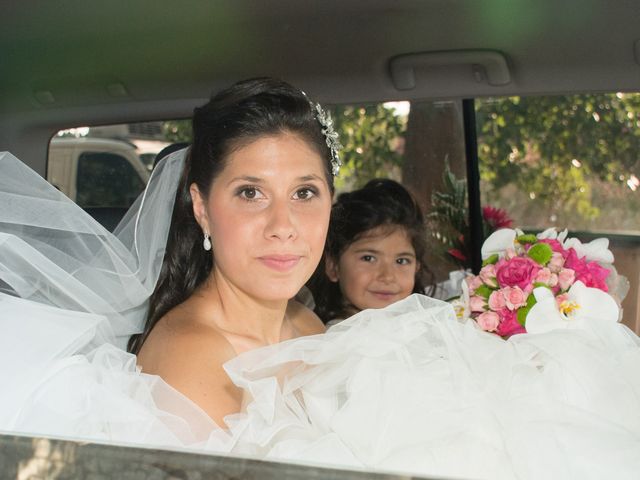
x=280, y=222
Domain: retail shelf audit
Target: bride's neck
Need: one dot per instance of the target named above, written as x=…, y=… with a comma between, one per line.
x=238, y=313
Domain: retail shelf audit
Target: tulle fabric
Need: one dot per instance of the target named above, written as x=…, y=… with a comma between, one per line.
x=405, y=389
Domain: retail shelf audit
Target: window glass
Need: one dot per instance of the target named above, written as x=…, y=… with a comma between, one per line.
x=106, y=180
x=570, y=161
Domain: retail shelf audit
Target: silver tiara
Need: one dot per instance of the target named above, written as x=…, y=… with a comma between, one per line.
x=331, y=137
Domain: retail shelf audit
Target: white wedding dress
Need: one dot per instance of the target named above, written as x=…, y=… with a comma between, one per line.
x=405, y=389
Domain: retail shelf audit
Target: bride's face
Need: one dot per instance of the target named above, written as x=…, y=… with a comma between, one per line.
x=268, y=214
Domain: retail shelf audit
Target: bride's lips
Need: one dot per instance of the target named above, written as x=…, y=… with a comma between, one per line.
x=280, y=263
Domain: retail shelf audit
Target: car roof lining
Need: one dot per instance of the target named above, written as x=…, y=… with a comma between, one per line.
x=79, y=62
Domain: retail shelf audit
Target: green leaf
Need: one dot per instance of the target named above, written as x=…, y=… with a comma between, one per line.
x=491, y=260
x=522, y=315
x=522, y=312
x=526, y=239
x=483, y=291
x=540, y=253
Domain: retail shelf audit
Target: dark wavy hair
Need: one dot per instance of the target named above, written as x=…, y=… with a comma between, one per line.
x=233, y=118
x=380, y=203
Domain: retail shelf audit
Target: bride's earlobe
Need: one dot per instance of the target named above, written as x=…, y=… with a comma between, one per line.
x=199, y=207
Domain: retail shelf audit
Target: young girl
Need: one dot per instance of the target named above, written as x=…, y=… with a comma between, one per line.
x=374, y=252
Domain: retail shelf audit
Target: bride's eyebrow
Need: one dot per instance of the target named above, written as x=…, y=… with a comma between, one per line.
x=246, y=178
x=309, y=178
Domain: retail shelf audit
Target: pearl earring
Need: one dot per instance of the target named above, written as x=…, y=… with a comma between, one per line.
x=206, y=243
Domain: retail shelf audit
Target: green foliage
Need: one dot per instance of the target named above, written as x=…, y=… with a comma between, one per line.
x=372, y=140
x=540, y=253
x=554, y=148
x=449, y=218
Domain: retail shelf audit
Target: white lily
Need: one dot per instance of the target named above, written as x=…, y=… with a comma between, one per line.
x=582, y=305
x=498, y=242
x=553, y=234
x=595, y=251
x=461, y=304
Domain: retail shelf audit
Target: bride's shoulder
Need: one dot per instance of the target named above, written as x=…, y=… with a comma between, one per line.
x=304, y=319
x=189, y=356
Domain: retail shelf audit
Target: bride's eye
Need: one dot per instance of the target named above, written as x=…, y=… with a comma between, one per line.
x=249, y=193
x=305, y=193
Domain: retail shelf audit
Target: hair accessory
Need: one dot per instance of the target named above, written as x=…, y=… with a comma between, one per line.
x=331, y=137
x=206, y=243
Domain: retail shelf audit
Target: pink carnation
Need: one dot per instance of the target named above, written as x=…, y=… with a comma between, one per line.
x=517, y=272
x=590, y=273
x=488, y=321
x=509, y=324
x=555, y=245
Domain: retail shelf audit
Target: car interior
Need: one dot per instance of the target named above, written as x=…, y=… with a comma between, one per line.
x=73, y=64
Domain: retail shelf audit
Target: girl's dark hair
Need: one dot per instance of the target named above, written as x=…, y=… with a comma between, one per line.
x=233, y=118
x=380, y=203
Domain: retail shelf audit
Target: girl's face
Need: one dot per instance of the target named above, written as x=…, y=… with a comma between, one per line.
x=267, y=214
x=376, y=270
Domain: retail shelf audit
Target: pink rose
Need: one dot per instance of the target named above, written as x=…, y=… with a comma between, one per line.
x=590, y=273
x=488, y=321
x=556, y=262
x=566, y=277
x=516, y=272
x=514, y=297
x=509, y=324
x=488, y=275
x=477, y=304
x=547, y=278
x=473, y=282
x=543, y=276
x=497, y=300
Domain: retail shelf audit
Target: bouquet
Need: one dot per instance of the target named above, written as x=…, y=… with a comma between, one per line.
x=536, y=283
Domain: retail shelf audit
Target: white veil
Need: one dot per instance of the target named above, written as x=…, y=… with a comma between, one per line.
x=52, y=252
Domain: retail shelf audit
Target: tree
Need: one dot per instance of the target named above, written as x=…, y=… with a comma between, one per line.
x=371, y=137
x=558, y=150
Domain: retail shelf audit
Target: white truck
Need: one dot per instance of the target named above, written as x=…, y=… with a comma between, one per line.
x=103, y=176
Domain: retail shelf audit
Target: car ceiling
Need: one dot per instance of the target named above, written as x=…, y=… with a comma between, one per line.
x=74, y=62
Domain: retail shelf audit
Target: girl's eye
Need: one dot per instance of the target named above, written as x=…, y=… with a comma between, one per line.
x=249, y=193
x=305, y=193
x=367, y=258
x=403, y=261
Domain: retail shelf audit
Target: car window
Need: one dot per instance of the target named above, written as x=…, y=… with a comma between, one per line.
x=569, y=161
x=106, y=180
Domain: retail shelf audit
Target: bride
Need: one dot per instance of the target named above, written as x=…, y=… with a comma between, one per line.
x=227, y=363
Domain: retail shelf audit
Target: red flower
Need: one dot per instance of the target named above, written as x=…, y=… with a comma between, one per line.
x=509, y=323
x=590, y=273
x=496, y=217
x=457, y=254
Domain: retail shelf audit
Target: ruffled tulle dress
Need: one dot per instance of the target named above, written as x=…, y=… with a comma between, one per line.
x=409, y=388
